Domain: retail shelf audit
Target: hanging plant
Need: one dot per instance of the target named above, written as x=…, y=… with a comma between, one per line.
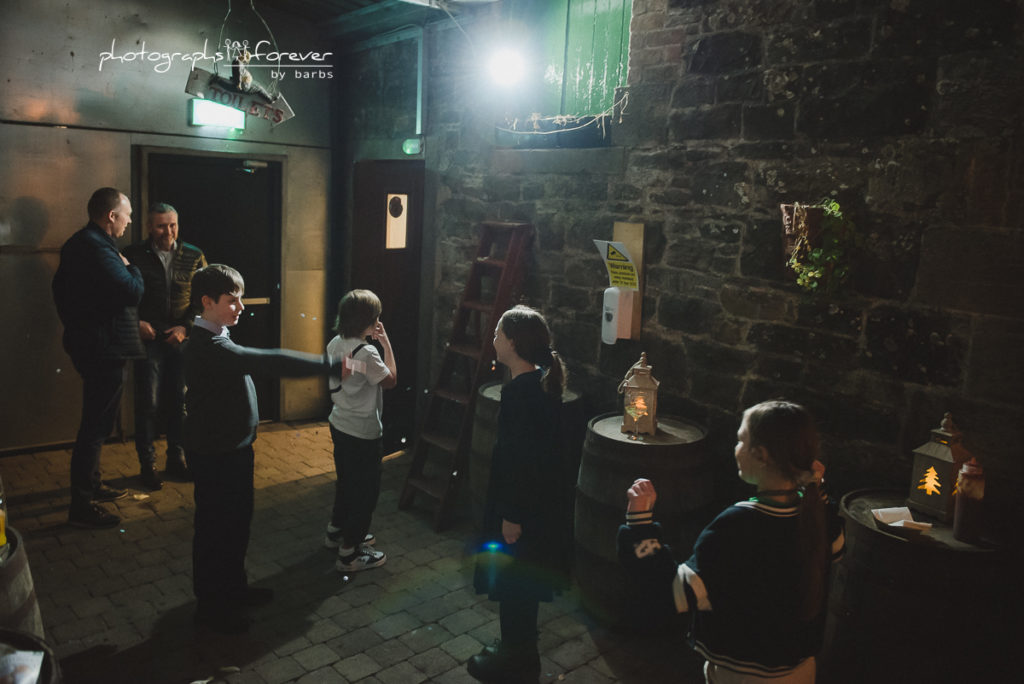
x=820, y=244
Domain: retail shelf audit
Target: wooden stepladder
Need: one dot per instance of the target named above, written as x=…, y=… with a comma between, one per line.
x=441, y=447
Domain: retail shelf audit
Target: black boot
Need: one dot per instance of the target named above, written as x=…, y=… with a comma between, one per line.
x=177, y=468
x=505, y=665
x=150, y=478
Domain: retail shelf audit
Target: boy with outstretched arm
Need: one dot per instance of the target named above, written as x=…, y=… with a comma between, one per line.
x=220, y=428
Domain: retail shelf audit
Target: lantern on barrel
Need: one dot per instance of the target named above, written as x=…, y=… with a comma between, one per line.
x=640, y=406
x=936, y=466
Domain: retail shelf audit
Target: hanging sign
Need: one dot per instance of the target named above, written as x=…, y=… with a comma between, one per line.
x=254, y=101
x=621, y=269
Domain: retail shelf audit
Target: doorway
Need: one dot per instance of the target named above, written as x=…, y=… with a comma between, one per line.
x=385, y=257
x=229, y=207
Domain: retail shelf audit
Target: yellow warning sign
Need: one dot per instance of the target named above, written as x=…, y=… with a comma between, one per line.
x=621, y=269
x=615, y=255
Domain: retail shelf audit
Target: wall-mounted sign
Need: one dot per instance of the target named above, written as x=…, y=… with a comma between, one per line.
x=622, y=272
x=395, y=229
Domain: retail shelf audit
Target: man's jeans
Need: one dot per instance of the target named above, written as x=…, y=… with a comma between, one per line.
x=102, y=385
x=159, y=376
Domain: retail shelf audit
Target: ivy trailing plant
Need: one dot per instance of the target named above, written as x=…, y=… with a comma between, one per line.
x=823, y=253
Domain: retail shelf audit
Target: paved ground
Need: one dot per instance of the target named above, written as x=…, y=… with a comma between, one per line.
x=117, y=604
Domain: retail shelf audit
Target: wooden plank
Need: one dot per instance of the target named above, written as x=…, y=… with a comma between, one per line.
x=632, y=236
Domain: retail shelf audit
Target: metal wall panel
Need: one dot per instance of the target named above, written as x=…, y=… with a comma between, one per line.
x=46, y=179
x=52, y=52
x=70, y=128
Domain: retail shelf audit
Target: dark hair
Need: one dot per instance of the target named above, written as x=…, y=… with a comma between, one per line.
x=102, y=202
x=787, y=432
x=213, y=281
x=531, y=338
x=357, y=311
x=161, y=208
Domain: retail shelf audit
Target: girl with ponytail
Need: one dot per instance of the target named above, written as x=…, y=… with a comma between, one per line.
x=526, y=538
x=755, y=585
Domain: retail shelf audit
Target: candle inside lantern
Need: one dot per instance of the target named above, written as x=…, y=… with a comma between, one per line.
x=638, y=408
x=641, y=399
x=934, y=472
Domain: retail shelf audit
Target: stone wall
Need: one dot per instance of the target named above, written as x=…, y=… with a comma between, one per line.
x=907, y=112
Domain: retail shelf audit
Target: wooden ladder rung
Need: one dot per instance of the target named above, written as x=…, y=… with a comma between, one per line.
x=477, y=305
x=503, y=225
x=430, y=487
x=473, y=351
x=450, y=444
x=453, y=395
x=490, y=262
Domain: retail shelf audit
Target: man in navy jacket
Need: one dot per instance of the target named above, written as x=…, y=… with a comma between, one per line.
x=97, y=294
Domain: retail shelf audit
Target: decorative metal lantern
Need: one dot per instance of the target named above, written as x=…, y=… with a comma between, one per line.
x=936, y=465
x=640, y=407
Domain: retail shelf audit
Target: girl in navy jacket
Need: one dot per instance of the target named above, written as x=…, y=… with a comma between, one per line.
x=755, y=585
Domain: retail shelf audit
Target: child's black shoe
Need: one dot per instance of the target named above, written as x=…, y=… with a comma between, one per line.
x=500, y=664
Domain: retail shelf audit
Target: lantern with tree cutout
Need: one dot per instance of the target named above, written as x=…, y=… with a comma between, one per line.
x=934, y=475
x=640, y=406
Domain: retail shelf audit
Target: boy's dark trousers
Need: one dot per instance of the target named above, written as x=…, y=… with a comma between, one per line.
x=224, y=505
x=358, y=464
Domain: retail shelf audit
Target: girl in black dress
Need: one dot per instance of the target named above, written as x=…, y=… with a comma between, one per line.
x=527, y=543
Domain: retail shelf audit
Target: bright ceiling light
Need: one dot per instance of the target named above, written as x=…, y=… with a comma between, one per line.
x=506, y=67
x=210, y=113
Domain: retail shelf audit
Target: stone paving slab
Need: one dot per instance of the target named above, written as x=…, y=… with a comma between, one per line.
x=117, y=604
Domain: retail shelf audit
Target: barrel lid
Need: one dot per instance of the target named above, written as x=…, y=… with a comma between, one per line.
x=671, y=430
x=492, y=391
x=856, y=507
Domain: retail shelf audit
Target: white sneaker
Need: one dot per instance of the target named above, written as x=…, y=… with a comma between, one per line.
x=363, y=558
x=332, y=539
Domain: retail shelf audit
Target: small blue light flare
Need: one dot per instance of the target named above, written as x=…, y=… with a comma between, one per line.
x=493, y=546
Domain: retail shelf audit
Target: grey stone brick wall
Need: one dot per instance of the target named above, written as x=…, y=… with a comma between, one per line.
x=908, y=113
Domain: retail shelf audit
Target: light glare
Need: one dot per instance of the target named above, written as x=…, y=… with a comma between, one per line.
x=506, y=67
x=209, y=113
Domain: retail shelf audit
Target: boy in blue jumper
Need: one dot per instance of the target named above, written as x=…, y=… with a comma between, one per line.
x=220, y=428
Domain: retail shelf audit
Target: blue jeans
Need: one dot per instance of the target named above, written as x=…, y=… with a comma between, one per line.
x=159, y=376
x=358, y=463
x=102, y=385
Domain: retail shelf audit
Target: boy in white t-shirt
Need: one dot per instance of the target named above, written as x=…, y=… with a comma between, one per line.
x=356, y=428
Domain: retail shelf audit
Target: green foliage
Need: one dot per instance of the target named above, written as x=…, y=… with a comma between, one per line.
x=822, y=261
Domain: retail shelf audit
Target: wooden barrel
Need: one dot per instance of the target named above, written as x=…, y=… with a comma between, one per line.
x=19, y=609
x=485, y=429
x=49, y=671
x=675, y=460
x=924, y=608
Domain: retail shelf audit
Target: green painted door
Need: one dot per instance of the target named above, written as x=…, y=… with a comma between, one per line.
x=583, y=46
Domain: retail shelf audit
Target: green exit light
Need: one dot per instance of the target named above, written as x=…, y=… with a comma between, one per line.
x=208, y=113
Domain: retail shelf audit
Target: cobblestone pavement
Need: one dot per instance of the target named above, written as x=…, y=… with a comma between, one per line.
x=117, y=604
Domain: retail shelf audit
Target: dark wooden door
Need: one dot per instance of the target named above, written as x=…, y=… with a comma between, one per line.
x=230, y=207
x=385, y=258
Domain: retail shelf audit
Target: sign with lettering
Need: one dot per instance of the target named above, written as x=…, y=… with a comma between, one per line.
x=211, y=87
x=622, y=271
